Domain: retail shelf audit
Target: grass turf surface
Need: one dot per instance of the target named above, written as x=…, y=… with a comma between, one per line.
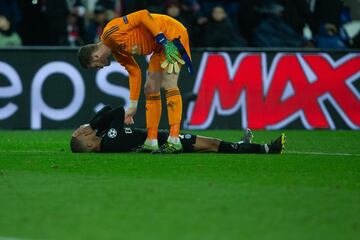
x=312, y=191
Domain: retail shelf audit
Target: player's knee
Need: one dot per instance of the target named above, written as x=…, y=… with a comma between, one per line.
x=152, y=84
x=150, y=88
x=169, y=81
x=169, y=84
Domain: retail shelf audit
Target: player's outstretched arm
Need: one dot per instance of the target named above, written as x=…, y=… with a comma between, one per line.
x=104, y=120
x=134, y=71
x=94, y=122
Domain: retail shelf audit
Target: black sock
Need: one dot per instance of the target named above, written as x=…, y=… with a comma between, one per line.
x=229, y=147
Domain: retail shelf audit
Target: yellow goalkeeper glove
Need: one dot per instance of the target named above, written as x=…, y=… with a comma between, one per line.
x=172, y=67
x=172, y=55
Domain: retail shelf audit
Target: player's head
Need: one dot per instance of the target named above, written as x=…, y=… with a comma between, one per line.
x=84, y=140
x=78, y=146
x=91, y=56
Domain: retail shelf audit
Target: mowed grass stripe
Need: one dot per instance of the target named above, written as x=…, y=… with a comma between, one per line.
x=285, y=152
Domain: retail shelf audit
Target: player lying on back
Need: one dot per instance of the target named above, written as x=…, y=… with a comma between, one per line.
x=106, y=133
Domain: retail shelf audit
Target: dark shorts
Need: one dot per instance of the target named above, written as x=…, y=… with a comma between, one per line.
x=187, y=140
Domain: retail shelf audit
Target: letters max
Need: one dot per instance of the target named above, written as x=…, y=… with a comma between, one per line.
x=294, y=87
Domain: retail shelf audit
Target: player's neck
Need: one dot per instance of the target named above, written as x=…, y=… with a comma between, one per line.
x=103, y=49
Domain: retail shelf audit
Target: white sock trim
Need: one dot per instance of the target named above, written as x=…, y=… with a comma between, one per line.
x=266, y=148
x=151, y=142
x=173, y=140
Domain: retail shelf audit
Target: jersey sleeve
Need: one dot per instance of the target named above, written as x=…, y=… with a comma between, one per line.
x=104, y=119
x=134, y=71
x=94, y=122
x=142, y=17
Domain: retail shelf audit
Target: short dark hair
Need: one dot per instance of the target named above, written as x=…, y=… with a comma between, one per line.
x=77, y=146
x=85, y=54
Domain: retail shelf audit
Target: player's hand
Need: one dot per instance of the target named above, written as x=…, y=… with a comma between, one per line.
x=129, y=116
x=172, y=55
x=172, y=59
x=85, y=129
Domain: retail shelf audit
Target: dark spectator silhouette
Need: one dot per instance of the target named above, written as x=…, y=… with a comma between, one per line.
x=96, y=24
x=220, y=32
x=273, y=30
x=76, y=23
x=326, y=23
x=10, y=18
x=182, y=13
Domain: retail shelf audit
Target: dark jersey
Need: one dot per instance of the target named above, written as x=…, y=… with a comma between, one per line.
x=126, y=139
x=117, y=138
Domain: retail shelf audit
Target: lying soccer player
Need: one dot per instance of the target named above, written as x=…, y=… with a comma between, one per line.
x=106, y=133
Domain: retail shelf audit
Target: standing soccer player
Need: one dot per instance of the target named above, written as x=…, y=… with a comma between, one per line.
x=142, y=33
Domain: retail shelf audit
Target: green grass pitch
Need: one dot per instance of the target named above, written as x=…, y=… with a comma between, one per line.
x=312, y=191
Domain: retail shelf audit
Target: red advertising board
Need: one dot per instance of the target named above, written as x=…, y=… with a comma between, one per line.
x=273, y=94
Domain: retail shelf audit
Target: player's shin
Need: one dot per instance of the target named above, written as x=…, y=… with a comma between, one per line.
x=229, y=147
x=153, y=114
x=174, y=110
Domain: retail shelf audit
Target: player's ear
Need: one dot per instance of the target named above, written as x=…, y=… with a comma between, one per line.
x=95, y=56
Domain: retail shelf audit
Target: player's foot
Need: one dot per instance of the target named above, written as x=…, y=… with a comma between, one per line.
x=247, y=137
x=145, y=149
x=148, y=146
x=277, y=145
x=169, y=148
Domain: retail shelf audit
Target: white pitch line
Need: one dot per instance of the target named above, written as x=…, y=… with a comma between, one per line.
x=324, y=153
x=12, y=238
x=28, y=151
x=291, y=152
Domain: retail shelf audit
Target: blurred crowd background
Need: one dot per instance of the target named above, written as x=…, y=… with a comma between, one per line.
x=211, y=23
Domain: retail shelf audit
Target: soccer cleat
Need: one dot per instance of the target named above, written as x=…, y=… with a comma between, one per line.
x=145, y=149
x=247, y=137
x=168, y=148
x=277, y=145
